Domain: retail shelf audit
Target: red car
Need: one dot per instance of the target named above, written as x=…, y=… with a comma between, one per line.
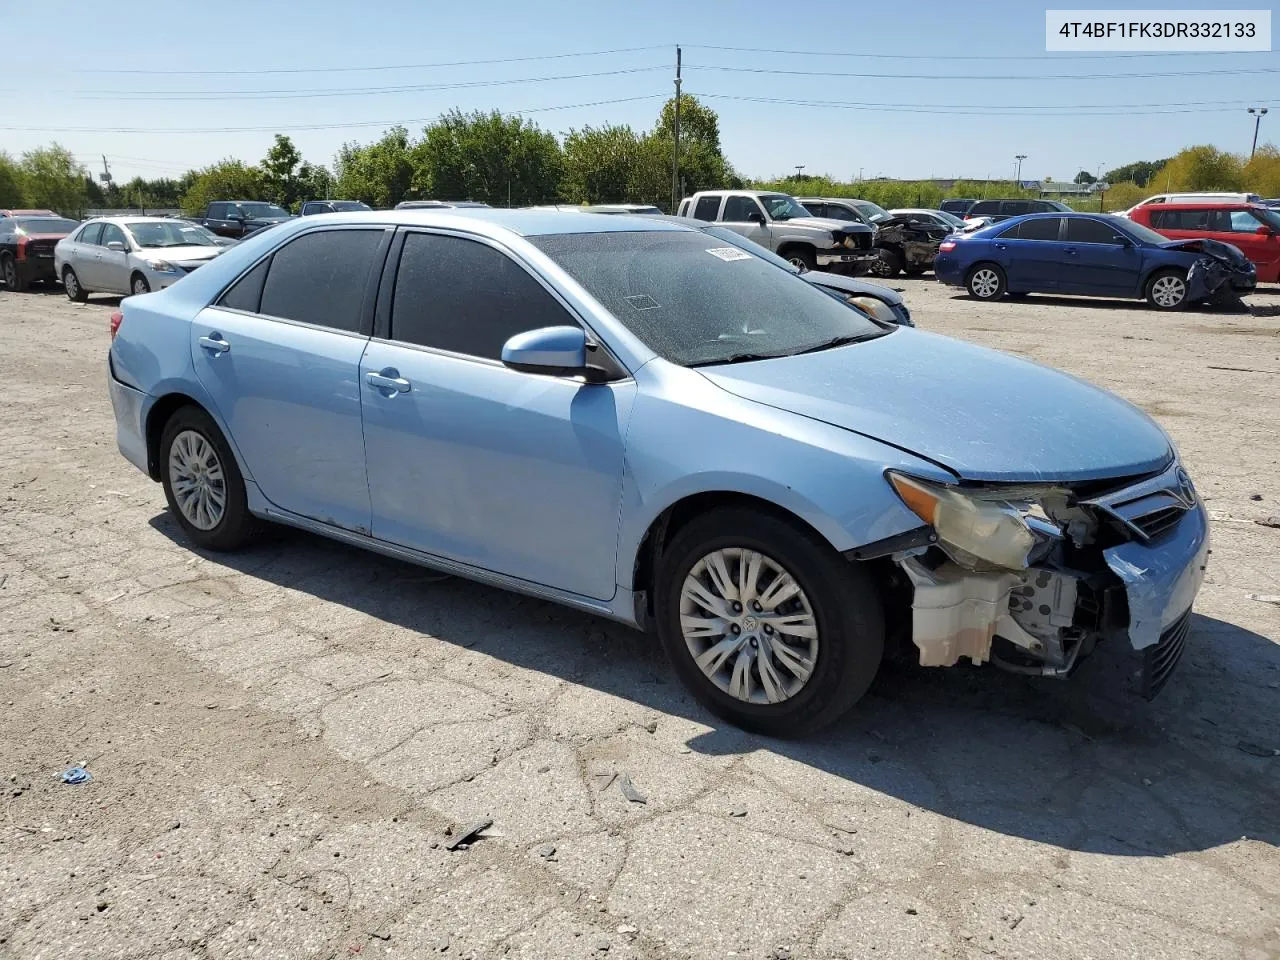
x=1250, y=226
x=26, y=248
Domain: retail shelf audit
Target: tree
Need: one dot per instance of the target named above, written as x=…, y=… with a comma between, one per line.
x=51, y=178
x=1199, y=168
x=10, y=182
x=702, y=163
x=280, y=171
x=599, y=164
x=380, y=173
x=315, y=182
x=228, y=180
x=1139, y=172
x=489, y=157
x=1261, y=174
x=1084, y=176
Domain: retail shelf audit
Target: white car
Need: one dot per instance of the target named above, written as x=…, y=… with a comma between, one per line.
x=1201, y=197
x=131, y=255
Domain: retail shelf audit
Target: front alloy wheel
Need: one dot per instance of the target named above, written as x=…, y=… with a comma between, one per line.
x=748, y=626
x=1167, y=291
x=140, y=285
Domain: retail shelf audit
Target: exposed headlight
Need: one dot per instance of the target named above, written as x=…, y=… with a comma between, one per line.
x=1001, y=527
x=162, y=266
x=877, y=308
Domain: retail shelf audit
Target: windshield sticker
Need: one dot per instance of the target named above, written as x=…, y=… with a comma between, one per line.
x=729, y=253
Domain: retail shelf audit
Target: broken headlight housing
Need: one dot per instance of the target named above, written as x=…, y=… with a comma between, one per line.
x=1004, y=528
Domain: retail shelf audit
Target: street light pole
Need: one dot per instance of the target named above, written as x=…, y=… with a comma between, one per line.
x=1017, y=175
x=1258, y=114
x=799, y=167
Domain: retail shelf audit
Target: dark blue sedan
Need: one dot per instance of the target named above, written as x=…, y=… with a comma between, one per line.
x=1093, y=255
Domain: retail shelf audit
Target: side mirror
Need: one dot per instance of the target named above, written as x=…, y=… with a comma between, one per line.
x=1121, y=239
x=1265, y=231
x=115, y=245
x=236, y=216
x=755, y=216
x=555, y=351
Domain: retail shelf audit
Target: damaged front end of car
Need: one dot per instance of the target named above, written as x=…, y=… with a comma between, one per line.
x=914, y=244
x=1031, y=577
x=1221, y=272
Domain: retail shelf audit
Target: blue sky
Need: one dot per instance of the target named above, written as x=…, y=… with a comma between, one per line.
x=934, y=127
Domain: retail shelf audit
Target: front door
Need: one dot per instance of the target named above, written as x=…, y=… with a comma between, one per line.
x=1097, y=262
x=512, y=472
x=1256, y=239
x=111, y=267
x=279, y=354
x=742, y=214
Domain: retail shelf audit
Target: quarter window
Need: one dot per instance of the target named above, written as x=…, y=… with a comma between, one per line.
x=321, y=278
x=707, y=209
x=466, y=297
x=246, y=293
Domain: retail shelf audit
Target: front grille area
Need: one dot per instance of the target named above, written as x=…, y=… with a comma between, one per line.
x=1154, y=525
x=1159, y=661
x=861, y=241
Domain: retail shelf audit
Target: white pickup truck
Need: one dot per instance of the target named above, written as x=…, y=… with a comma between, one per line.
x=779, y=223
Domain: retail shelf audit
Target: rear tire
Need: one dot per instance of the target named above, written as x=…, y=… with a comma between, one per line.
x=986, y=281
x=13, y=278
x=202, y=482
x=71, y=284
x=1167, y=289
x=834, y=600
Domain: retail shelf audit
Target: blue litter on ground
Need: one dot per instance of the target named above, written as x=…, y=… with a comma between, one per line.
x=74, y=775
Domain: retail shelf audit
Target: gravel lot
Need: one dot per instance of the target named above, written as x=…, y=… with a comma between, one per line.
x=281, y=740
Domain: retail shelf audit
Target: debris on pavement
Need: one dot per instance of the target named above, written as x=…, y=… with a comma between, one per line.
x=1266, y=598
x=75, y=775
x=627, y=928
x=738, y=812
x=547, y=851
x=1257, y=749
x=465, y=837
x=1269, y=522
x=630, y=792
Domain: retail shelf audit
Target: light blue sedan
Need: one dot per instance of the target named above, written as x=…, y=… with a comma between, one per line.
x=632, y=418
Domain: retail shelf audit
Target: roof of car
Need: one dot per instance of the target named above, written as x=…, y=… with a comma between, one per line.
x=524, y=223
x=137, y=218
x=1209, y=204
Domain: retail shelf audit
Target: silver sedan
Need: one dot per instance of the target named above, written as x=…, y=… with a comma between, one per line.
x=131, y=255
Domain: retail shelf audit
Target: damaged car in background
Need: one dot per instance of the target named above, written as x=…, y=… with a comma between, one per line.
x=1093, y=255
x=904, y=243
x=645, y=422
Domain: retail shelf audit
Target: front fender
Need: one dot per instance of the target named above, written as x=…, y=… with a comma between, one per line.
x=690, y=437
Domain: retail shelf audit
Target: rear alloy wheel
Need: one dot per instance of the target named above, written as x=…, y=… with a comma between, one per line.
x=765, y=623
x=139, y=285
x=1167, y=290
x=202, y=482
x=71, y=284
x=986, y=282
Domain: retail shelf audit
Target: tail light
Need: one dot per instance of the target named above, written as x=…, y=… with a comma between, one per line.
x=114, y=323
x=946, y=246
x=22, y=248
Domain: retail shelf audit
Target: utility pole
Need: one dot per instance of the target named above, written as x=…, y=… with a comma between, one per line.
x=675, y=144
x=1258, y=114
x=799, y=167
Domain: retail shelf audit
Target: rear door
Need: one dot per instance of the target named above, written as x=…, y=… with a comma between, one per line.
x=279, y=354
x=81, y=253
x=1097, y=261
x=516, y=473
x=1032, y=254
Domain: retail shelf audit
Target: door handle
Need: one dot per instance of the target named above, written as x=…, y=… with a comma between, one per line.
x=1070, y=251
x=215, y=343
x=388, y=380
x=1002, y=246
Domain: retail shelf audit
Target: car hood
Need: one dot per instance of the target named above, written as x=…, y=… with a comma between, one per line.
x=1227, y=252
x=184, y=254
x=982, y=414
x=852, y=285
x=822, y=223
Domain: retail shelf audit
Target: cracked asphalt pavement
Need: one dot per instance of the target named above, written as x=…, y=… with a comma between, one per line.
x=285, y=742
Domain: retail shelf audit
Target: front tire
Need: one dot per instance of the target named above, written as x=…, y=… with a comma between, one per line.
x=887, y=264
x=13, y=278
x=986, y=282
x=71, y=284
x=1167, y=290
x=138, y=285
x=766, y=624
x=801, y=257
x=202, y=482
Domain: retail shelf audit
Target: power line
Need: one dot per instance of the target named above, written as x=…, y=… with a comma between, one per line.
x=952, y=77
x=961, y=56
x=963, y=109
x=297, y=94
x=399, y=66
x=285, y=128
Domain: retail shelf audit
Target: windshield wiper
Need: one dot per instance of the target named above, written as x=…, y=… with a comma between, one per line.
x=736, y=358
x=840, y=341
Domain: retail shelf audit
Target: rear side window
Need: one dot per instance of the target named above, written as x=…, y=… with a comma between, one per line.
x=246, y=293
x=321, y=278
x=1187, y=219
x=707, y=208
x=466, y=297
x=1015, y=208
x=91, y=234
x=1041, y=228
x=1089, y=231
x=217, y=211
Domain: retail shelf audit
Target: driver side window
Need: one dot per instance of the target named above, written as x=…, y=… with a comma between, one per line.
x=740, y=209
x=111, y=233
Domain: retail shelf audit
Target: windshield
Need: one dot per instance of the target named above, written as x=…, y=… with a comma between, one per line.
x=695, y=301
x=872, y=211
x=1269, y=217
x=348, y=206
x=1136, y=230
x=151, y=234
x=253, y=210
x=781, y=207
x=950, y=219
x=45, y=224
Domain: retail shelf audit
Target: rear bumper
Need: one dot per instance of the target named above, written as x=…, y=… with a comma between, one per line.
x=947, y=270
x=37, y=268
x=130, y=407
